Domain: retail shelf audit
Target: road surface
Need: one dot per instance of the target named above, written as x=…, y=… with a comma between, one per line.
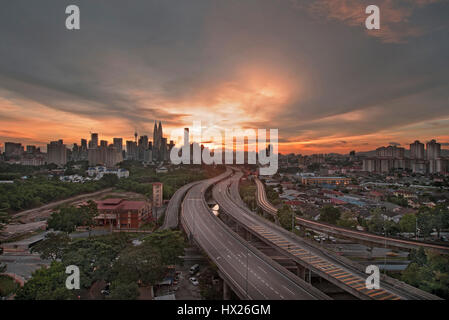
x=249, y=272
x=321, y=262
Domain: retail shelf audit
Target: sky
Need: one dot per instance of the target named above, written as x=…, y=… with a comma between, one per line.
x=308, y=68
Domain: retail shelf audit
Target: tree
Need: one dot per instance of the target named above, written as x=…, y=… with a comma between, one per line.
x=89, y=212
x=418, y=256
x=330, y=214
x=4, y=216
x=408, y=223
x=94, y=258
x=68, y=218
x=286, y=215
x=377, y=222
x=124, y=291
x=424, y=217
x=53, y=246
x=411, y=275
x=109, y=180
x=429, y=271
x=440, y=218
x=47, y=284
x=142, y=263
x=170, y=245
x=348, y=220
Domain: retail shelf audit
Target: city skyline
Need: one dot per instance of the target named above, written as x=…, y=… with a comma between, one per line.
x=137, y=138
x=312, y=70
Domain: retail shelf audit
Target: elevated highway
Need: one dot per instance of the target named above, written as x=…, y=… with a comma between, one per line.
x=250, y=274
x=171, y=219
x=360, y=236
x=340, y=271
x=262, y=201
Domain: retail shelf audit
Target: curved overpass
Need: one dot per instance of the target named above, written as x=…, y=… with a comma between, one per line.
x=361, y=236
x=250, y=273
x=338, y=270
x=261, y=199
x=172, y=212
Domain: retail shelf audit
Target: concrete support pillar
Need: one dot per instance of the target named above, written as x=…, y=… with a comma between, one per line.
x=226, y=291
x=301, y=271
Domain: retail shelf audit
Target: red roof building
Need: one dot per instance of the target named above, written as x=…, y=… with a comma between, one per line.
x=122, y=214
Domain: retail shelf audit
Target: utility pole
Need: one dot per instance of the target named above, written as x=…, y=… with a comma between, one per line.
x=385, y=254
x=416, y=227
x=293, y=221
x=247, y=267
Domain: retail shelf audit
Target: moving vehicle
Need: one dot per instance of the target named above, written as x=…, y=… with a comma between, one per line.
x=194, y=269
x=194, y=281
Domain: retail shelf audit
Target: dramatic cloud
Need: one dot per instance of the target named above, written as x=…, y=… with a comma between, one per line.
x=309, y=68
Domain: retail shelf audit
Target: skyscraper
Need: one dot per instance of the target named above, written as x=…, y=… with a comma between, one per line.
x=159, y=150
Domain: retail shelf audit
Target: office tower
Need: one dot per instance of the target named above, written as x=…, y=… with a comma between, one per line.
x=118, y=144
x=103, y=143
x=57, y=152
x=159, y=151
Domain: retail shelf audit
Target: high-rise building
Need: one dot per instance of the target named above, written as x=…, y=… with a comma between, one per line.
x=433, y=155
x=57, y=153
x=118, y=144
x=433, y=150
x=390, y=152
x=83, y=144
x=13, y=150
x=93, y=143
x=131, y=150
x=417, y=150
x=159, y=147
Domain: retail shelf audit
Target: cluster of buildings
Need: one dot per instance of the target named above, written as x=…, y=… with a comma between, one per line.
x=309, y=193
x=94, y=151
x=421, y=160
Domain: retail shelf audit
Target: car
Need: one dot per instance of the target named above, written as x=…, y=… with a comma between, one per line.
x=194, y=269
x=194, y=281
x=105, y=292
